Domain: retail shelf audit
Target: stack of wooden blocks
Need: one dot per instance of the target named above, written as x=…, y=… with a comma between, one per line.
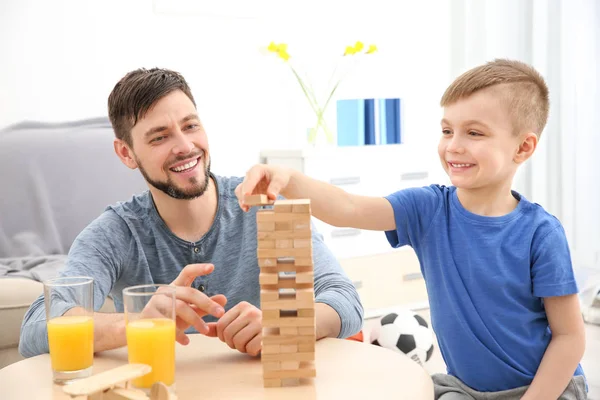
x=287, y=290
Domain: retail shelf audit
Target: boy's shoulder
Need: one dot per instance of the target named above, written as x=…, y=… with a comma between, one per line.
x=534, y=215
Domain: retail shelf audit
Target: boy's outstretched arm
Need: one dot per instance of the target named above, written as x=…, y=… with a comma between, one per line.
x=564, y=351
x=328, y=202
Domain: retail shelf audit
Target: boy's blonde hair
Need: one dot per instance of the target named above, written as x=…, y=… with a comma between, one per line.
x=523, y=88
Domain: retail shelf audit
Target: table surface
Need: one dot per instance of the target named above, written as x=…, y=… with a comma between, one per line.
x=208, y=369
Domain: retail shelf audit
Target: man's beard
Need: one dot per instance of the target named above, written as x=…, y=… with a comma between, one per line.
x=172, y=190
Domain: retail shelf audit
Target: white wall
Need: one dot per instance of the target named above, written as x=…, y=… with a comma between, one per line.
x=59, y=60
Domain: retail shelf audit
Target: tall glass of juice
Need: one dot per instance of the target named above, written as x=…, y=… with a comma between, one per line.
x=150, y=328
x=70, y=336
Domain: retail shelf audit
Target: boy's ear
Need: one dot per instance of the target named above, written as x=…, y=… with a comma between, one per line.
x=526, y=148
x=125, y=153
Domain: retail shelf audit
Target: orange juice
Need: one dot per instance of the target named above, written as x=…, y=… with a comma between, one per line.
x=71, y=341
x=152, y=342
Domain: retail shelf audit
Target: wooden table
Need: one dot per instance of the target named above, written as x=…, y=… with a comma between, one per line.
x=209, y=369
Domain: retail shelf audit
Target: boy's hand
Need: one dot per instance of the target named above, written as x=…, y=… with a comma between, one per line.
x=263, y=179
x=240, y=328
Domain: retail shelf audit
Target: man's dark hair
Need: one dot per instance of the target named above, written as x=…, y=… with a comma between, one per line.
x=136, y=93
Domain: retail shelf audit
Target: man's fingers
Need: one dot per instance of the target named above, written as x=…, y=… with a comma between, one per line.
x=243, y=336
x=191, y=272
x=182, y=338
x=219, y=299
x=255, y=345
x=225, y=321
x=193, y=297
x=189, y=315
x=212, y=329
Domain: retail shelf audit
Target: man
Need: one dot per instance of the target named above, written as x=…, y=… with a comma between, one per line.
x=187, y=230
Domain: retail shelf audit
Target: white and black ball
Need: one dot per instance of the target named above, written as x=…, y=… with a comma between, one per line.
x=405, y=332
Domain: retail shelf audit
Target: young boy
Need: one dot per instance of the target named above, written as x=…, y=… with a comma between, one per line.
x=498, y=270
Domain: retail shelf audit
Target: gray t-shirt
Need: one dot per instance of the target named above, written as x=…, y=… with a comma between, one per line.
x=129, y=244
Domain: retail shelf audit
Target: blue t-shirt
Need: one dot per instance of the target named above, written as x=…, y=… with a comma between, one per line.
x=486, y=279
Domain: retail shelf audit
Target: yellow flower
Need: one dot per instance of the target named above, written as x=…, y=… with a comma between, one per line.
x=283, y=54
x=280, y=49
x=372, y=49
x=349, y=51
x=358, y=46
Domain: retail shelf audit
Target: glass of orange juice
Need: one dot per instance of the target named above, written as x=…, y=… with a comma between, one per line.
x=150, y=329
x=70, y=337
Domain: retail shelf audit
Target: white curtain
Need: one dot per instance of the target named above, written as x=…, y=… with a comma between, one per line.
x=561, y=39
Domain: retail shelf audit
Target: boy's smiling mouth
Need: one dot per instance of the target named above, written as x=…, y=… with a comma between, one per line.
x=459, y=166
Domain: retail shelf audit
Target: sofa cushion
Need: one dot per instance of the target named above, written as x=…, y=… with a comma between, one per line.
x=62, y=176
x=16, y=295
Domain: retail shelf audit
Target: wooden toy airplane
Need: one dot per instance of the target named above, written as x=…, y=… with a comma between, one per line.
x=114, y=385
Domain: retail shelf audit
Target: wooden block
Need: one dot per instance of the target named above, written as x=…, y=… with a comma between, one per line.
x=303, y=262
x=299, y=226
x=287, y=282
x=268, y=296
x=106, y=379
x=265, y=216
x=272, y=366
x=289, y=357
x=285, y=243
x=302, y=243
x=284, y=226
x=288, y=285
x=289, y=348
x=271, y=382
x=307, y=312
x=305, y=330
x=257, y=200
x=283, y=206
x=266, y=244
x=288, y=322
x=290, y=365
x=298, y=373
x=305, y=277
x=265, y=278
x=288, y=339
x=280, y=304
x=265, y=226
x=280, y=253
x=270, y=314
x=271, y=349
x=280, y=234
x=304, y=347
x=288, y=331
x=279, y=267
x=301, y=206
x=305, y=295
x=267, y=262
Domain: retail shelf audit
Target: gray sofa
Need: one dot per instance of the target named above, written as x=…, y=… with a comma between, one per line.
x=54, y=180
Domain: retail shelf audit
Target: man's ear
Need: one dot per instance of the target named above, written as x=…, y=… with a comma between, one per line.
x=526, y=148
x=125, y=153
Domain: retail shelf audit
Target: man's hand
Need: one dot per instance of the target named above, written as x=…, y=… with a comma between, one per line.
x=240, y=328
x=190, y=304
x=263, y=179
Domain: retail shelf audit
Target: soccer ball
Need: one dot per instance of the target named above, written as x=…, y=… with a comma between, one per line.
x=405, y=332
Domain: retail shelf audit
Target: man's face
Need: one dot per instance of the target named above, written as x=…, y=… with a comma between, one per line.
x=170, y=148
x=477, y=146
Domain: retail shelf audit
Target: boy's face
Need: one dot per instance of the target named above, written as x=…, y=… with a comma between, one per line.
x=171, y=148
x=477, y=147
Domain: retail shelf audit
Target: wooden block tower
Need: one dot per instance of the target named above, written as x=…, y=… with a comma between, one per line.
x=286, y=290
